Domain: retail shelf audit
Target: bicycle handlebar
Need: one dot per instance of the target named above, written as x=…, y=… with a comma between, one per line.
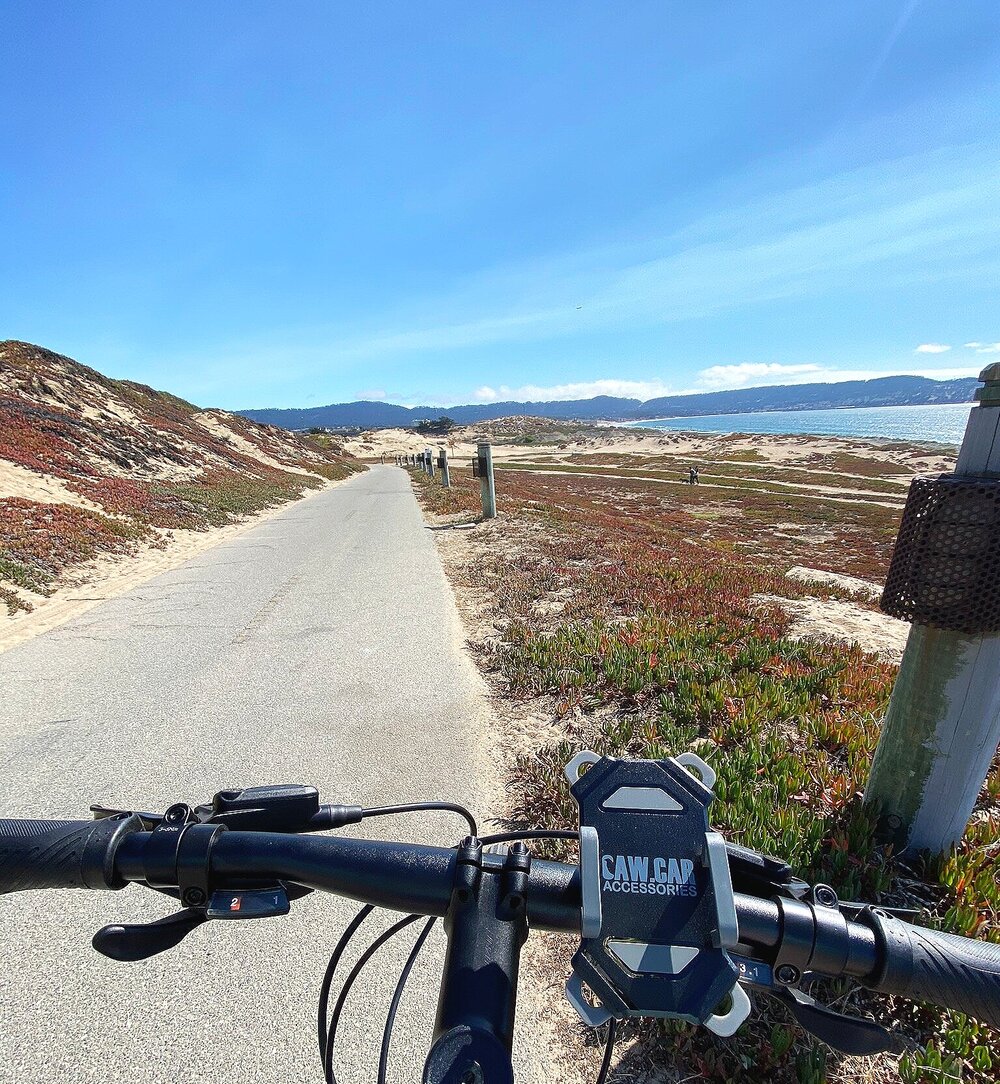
x=885, y=954
x=36, y=854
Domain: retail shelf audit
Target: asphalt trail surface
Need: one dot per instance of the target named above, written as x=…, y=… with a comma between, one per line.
x=321, y=646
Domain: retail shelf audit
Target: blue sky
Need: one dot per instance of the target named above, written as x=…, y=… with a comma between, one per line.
x=258, y=204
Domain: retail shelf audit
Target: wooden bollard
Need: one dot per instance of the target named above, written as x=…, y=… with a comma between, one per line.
x=943, y=724
x=487, y=485
x=443, y=464
x=429, y=460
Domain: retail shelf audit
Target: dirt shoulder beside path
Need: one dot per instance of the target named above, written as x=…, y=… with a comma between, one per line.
x=109, y=576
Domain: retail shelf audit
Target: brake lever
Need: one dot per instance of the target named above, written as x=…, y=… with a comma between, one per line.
x=849, y=1034
x=141, y=940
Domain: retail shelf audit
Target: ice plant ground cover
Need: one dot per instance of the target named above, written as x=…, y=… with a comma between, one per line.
x=125, y=463
x=630, y=614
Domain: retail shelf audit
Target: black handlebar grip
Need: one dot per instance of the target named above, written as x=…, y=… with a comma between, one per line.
x=62, y=854
x=927, y=965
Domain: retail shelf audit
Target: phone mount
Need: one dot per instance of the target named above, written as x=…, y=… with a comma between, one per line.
x=658, y=916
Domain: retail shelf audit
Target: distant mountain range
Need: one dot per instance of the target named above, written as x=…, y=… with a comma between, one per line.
x=883, y=391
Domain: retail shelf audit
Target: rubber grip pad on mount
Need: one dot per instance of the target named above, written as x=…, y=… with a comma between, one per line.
x=36, y=854
x=956, y=973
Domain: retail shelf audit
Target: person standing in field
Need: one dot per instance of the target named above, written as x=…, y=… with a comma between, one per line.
x=693, y=476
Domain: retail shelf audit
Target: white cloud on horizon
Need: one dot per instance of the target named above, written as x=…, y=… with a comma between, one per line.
x=747, y=373
x=588, y=389
x=373, y=394
x=932, y=348
x=984, y=348
x=714, y=378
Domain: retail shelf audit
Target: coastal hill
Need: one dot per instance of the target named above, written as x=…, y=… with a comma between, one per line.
x=882, y=391
x=91, y=466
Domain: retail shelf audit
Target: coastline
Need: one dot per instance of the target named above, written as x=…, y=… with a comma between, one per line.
x=690, y=422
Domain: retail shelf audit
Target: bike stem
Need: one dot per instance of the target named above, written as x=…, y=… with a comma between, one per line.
x=486, y=926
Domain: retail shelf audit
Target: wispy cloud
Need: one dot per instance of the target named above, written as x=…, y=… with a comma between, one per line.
x=932, y=348
x=891, y=225
x=915, y=220
x=984, y=348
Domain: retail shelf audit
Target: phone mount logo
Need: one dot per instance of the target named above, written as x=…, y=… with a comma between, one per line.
x=652, y=876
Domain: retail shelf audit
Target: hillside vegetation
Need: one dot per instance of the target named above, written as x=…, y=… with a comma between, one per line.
x=91, y=465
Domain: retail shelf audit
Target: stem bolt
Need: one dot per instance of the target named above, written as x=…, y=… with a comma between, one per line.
x=786, y=974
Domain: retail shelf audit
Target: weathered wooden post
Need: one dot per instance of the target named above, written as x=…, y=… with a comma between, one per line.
x=443, y=464
x=942, y=728
x=487, y=484
x=429, y=460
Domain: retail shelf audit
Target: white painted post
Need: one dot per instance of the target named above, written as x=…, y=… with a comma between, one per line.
x=487, y=484
x=445, y=472
x=942, y=728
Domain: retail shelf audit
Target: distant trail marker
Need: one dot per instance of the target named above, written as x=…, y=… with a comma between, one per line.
x=487, y=483
x=942, y=728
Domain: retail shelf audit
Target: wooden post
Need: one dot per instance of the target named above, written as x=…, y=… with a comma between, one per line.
x=429, y=460
x=445, y=472
x=487, y=484
x=942, y=728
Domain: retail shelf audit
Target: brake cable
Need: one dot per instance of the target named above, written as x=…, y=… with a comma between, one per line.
x=331, y=967
x=390, y=1020
x=609, y=1049
x=379, y=941
x=422, y=807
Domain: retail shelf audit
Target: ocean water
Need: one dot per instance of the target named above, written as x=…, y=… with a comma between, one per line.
x=944, y=424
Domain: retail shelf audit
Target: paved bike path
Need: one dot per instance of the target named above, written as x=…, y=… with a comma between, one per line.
x=321, y=646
